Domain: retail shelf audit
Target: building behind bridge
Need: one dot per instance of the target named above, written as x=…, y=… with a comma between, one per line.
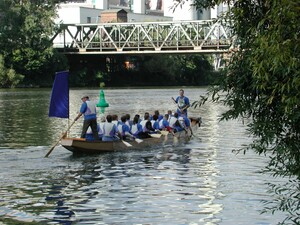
x=92, y=11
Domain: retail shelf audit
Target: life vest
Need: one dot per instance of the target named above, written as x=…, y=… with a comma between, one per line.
x=122, y=129
x=173, y=121
x=143, y=123
x=181, y=121
x=128, y=123
x=170, y=116
x=109, y=129
x=163, y=124
x=134, y=129
x=91, y=108
x=155, y=124
x=116, y=122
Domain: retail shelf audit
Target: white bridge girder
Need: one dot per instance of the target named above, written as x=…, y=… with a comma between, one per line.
x=144, y=37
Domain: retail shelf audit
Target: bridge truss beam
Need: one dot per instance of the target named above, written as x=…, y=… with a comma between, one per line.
x=144, y=37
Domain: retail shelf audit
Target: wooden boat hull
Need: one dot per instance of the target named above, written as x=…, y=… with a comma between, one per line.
x=80, y=145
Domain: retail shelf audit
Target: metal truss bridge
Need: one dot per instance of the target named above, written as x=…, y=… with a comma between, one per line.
x=197, y=36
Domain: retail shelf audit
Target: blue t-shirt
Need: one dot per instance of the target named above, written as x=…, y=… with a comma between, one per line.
x=88, y=109
x=187, y=121
x=125, y=128
x=110, y=130
x=181, y=103
x=155, y=124
x=164, y=124
x=135, y=129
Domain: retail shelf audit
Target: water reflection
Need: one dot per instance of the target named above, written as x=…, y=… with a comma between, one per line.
x=152, y=187
x=198, y=183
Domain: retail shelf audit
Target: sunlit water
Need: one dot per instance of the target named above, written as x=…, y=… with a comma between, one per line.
x=201, y=182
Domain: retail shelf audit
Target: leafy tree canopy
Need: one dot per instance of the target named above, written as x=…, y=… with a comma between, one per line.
x=25, y=29
x=262, y=82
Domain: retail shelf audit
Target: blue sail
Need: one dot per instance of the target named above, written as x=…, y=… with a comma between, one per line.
x=59, y=102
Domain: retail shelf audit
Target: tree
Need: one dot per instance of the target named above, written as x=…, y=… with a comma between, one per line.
x=25, y=30
x=177, y=69
x=262, y=82
x=8, y=77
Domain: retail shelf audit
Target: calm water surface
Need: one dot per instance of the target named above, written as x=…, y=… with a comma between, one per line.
x=201, y=182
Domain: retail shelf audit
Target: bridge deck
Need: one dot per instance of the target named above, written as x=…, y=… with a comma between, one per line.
x=144, y=38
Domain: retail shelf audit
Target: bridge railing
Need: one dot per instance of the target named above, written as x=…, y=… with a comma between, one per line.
x=144, y=37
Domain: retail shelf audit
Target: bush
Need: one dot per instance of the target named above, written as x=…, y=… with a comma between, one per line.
x=8, y=77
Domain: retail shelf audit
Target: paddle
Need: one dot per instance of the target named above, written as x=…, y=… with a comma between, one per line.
x=138, y=140
x=135, y=138
x=164, y=132
x=51, y=149
x=126, y=143
x=175, y=140
x=155, y=135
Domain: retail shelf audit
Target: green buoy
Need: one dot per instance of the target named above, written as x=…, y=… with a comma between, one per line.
x=102, y=104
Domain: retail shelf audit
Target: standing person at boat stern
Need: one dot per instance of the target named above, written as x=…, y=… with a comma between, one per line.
x=183, y=103
x=88, y=110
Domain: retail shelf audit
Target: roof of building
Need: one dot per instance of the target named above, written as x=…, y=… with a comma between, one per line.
x=114, y=11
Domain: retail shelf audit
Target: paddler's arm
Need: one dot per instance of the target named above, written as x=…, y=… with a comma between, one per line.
x=82, y=110
x=184, y=108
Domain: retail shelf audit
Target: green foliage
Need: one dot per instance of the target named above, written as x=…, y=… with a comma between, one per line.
x=262, y=82
x=8, y=77
x=285, y=197
x=192, y=70
x=25, y=28
x=160, y=68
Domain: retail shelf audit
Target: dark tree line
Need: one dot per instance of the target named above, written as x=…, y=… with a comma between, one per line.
x=150, y=70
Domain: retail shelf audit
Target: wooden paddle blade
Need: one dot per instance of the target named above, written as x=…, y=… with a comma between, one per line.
x=155, y=135
x=175, y=140
x=64, y=135
x=138, y=140
x=126, y=143
x=164, y=132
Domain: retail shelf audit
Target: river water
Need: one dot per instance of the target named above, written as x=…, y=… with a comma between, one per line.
x=202, y=182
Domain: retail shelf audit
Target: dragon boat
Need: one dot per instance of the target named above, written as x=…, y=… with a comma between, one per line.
x=81, y=145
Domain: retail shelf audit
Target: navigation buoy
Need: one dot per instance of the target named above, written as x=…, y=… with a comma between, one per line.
x=102, y=104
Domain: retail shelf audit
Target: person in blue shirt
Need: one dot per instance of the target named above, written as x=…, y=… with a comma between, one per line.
x=175, y=124
x=183, y=103
x=88, y=110
x=159, y=116
x=164, y=123
x=124, y=128
x=146, y=126
x=136, y=127
x=186, y=123
x=155, y=122
x=128, y=120
x=110, y=130
x=89, y=134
